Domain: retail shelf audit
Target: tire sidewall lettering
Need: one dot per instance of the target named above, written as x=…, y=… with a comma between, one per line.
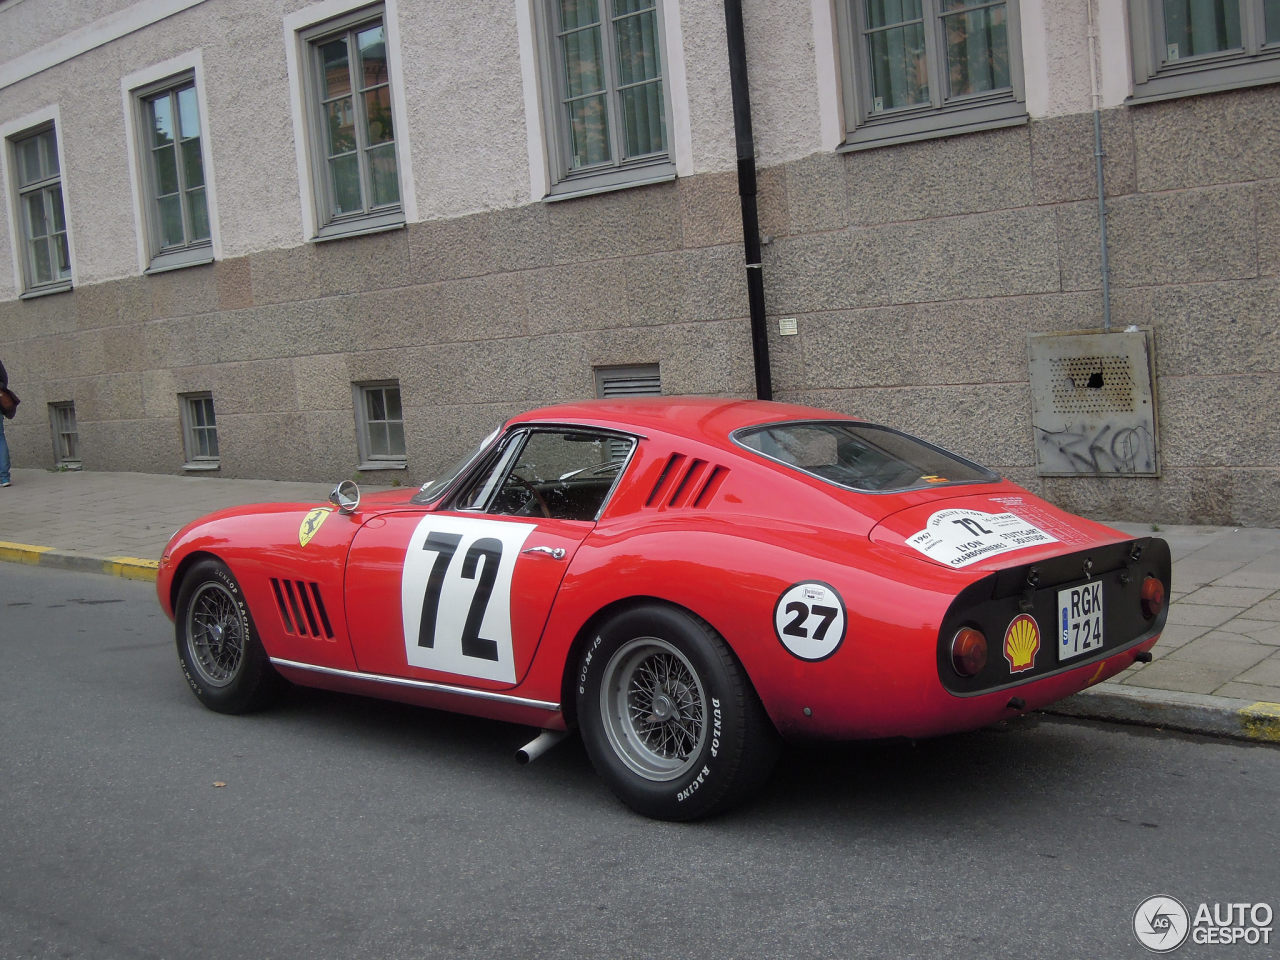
x=186, y=654
x=714, y=751
x=587, y=657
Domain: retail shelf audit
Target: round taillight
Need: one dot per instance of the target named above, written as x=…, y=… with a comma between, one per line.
x=1152, y=597
x=968, y=651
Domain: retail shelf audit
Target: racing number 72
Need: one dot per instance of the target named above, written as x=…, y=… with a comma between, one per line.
x=485, y=553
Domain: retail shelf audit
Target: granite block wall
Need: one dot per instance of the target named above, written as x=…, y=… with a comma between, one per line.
x=915, y=274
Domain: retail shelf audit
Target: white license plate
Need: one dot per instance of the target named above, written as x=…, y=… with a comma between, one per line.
x=1079, y=620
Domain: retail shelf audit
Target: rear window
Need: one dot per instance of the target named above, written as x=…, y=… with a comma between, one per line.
x=861, y=456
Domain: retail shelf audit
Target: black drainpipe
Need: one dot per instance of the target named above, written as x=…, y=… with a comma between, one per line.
x=747, y=192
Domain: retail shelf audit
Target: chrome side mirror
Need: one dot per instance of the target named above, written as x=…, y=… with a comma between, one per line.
x=346, y=497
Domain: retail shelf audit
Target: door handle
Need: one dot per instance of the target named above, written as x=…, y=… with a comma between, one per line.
x=555, y=553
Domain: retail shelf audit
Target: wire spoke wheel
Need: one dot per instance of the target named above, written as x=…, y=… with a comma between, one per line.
x=654, y=708
x=215, y=634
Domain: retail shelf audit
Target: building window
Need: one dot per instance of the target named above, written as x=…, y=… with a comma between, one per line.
x=1183, y=47
x=353, y=137
x=46, y=258
x=380, y=426
x=177, y=220
x=925, y=68
x=66, y=439
x=199, y=431
x=607, y=99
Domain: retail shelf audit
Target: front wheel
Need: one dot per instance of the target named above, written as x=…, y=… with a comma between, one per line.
x=668, y=716
x=219, y=651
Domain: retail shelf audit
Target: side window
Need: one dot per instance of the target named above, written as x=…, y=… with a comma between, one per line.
x=173, y=174
x=925, y=68
x=380, y=425
x=1183, y=47
x=41, y=217
x=605, y=96
x=557, y=474
x=66, y=437
x=347, y=86
x=199, y=431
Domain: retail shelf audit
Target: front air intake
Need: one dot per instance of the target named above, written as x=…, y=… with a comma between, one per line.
x=302, y=608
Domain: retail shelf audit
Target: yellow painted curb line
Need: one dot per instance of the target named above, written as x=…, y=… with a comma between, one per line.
x=131, y=568
x=21, y=552
x=1261, y=721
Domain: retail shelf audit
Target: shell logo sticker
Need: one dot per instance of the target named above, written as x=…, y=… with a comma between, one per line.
x=1022, y=643
x=311, y=523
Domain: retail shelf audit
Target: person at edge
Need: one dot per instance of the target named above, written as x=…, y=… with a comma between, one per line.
x=4, y=445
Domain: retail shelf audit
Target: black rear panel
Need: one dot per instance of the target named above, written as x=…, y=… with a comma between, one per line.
x=994, y=603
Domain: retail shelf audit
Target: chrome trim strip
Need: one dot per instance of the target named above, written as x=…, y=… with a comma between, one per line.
x=420, y=685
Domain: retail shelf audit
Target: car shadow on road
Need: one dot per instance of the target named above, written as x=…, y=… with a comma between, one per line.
x=1029, y=759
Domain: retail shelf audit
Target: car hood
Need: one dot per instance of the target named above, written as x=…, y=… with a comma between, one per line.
x=989, y=530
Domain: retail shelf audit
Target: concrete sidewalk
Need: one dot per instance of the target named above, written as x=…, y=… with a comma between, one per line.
x=1216, y=668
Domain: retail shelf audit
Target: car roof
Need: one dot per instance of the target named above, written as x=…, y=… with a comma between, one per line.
x=707, y=418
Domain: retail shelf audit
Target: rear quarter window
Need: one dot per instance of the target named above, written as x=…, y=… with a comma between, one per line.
x=861, y=456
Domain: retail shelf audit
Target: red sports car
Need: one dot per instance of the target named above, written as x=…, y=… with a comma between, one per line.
x=685, y=581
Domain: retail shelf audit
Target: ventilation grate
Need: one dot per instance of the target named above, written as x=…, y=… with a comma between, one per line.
x=302, y=608
x=1092, y=385
x=1093, y=404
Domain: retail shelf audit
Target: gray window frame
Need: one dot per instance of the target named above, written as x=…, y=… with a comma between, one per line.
x=1156, y=78
x=65, y=434
x=45, y=185
x=191, y=252
x=619, y=174
x=192, y=406
x=635, y=380
x=941, y=117
x=373, y=218
x=368, y=459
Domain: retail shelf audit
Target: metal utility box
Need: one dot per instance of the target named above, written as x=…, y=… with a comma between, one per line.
x=1093, y=405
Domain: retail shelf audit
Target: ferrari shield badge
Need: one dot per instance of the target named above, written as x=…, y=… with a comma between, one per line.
x=1021, y=643
x=311, y=523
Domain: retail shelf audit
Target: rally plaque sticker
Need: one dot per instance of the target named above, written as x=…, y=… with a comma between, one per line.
x=960, y=537
x=809, y=620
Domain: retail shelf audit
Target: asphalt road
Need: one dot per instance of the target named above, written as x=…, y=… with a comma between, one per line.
x=137, y=824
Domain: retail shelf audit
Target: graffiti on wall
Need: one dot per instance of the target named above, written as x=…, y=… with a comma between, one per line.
x=1121, y=447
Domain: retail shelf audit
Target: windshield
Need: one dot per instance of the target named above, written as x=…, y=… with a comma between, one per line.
x=861, y=456
x=432, y=489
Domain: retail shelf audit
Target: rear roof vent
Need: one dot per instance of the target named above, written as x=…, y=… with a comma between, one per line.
x=686, y=482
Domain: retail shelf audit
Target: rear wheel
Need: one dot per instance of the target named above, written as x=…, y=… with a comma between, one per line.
x=668, y=716
x=218, y=647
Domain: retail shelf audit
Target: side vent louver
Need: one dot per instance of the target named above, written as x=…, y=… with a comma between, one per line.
x=686, y=482
x=302, y=608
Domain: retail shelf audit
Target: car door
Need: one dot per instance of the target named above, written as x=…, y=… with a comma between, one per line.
x=461, y=594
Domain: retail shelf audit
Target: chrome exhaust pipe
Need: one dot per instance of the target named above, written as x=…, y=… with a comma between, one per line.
x=539, y=745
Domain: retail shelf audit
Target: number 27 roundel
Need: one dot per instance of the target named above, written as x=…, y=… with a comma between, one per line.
x=455, y=595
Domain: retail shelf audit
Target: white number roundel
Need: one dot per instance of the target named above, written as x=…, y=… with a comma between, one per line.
x=809, y=620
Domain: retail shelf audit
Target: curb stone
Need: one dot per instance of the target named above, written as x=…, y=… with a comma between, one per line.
x=130, y=568
x=1175, y=710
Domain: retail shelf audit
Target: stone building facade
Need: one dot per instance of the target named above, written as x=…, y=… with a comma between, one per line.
x=245, y=323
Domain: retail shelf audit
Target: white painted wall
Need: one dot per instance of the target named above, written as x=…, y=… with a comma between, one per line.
x=466, y=75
